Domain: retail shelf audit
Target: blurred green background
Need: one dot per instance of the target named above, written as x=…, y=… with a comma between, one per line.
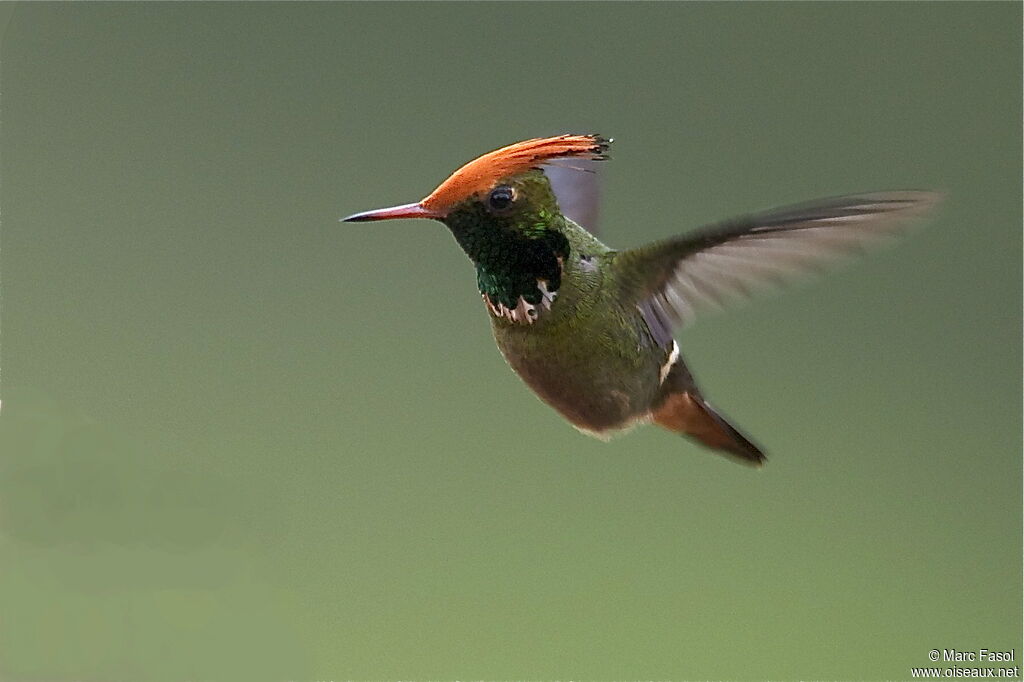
x=242, y=441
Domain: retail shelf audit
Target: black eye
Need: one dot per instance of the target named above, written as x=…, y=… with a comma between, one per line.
x=501, y=197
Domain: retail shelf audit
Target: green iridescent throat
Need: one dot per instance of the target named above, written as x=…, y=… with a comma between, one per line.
x=516, y=247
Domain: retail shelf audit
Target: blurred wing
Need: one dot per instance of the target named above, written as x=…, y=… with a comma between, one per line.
x=577, y=187
x=675, y=279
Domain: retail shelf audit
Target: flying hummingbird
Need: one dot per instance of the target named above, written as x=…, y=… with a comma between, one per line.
x=590, y=329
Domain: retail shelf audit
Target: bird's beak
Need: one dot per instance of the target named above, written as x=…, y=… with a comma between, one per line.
x=404, y=211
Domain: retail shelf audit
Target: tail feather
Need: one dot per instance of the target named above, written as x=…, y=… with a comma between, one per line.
x=687, y=412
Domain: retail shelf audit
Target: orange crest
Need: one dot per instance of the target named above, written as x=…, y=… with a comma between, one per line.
x=480, y=174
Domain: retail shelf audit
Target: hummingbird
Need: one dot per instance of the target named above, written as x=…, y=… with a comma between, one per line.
x=591, y=329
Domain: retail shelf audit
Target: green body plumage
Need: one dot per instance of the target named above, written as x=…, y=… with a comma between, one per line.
x=590, y=356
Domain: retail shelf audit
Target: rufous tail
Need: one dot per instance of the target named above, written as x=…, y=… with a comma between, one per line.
x=684, y=410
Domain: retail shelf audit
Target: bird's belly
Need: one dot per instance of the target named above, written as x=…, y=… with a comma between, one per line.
x=599, y=379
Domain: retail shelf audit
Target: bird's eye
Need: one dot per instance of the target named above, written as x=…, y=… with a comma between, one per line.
x=501, y=197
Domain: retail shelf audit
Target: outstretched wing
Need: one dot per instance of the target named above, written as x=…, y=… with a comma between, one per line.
x=674, y=280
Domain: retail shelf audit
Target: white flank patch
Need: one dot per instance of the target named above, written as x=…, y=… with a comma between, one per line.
x=673, y=357
x=614, y=431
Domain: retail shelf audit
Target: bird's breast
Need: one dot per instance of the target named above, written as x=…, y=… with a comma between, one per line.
x=595, y=364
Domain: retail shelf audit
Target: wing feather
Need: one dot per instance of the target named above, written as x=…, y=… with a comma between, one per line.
x=677, y=279
x=576, y=184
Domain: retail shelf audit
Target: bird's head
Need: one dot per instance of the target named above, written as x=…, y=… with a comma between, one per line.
x=503, y=192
